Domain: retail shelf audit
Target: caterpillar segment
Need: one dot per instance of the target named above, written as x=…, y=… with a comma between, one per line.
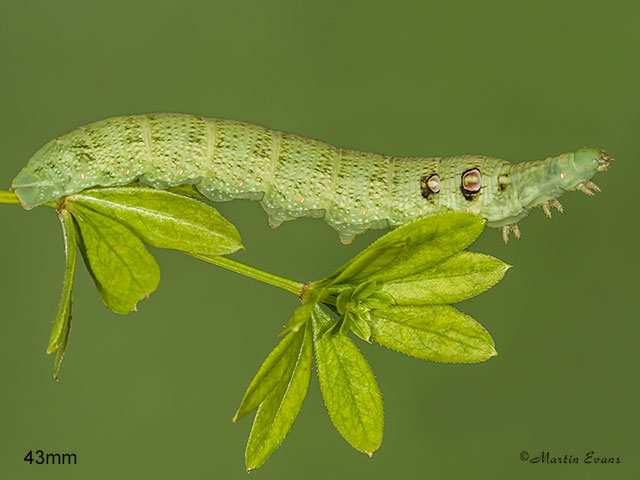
x=293, y=176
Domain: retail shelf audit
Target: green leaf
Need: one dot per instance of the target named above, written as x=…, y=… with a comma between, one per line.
x=364, y=290
x=345, y=326
x=300, y=316
x=349, y=387
x=440, y=333
x=187, y=190
x=273, y=370
x=333, y=329
x=413, y=247
x=62, y=324
x=361, y=328
x=379, y=299
x=123, y=269
x=459, y=277
x=280, y=408
x=163, y=219
x=314, y=293
x=342, y=300
x=64, y=341
x=63, y=315
x=369, y=261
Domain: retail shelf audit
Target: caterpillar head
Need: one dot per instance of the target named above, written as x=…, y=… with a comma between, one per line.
x=576, y=169
x=591, y=160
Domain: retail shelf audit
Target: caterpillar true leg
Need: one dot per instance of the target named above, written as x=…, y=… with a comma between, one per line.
x=589, y=188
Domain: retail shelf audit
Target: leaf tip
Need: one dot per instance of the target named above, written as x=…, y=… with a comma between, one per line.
x=52, y=347
x=370, y=454
x=493, y=353
x=250, y=469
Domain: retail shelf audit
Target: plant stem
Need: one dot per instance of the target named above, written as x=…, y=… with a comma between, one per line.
x=11, y=199
x=8, y=197
x=247, y=271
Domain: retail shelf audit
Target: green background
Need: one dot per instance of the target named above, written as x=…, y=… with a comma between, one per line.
x=153, y=393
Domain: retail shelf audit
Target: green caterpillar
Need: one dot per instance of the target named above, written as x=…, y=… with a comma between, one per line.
x=293, y=176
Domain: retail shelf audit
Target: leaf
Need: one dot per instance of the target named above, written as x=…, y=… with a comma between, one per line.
x=429, y=241
x=300, y=316
x=345, y=326
x=349, y=387
x=369, y=261
x=364, y=290
x=361, y=328
x=280, y=408
x=64, y=341
x=62, y=324
x=440, y=333
x=459, y=277
x=379, y=299
x=334, y=328
x=314, y=294
x=271, y=372
x=63, y=315
x=187, y=190
x=163, y=219
x=342, y=300
x=123, y=269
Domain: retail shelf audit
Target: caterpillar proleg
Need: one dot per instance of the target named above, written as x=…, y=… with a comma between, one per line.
x=294, y=176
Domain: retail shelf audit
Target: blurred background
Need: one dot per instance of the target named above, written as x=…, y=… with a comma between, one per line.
x=152, y=394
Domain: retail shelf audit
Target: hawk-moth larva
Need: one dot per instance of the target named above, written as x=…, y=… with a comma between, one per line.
x=294, y=176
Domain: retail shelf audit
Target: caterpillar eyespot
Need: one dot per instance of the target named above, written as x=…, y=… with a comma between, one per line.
x=294, y=176
x=471, y=183
x=430, y=186
x=434, y=183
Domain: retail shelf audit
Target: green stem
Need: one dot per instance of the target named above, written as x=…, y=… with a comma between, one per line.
x=247, y=271
x=11, y=199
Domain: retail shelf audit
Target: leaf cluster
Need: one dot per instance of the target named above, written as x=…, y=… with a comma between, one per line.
x=397, y=292
x=111, y=226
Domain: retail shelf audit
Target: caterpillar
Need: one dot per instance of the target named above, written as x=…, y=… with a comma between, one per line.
x=294, y=176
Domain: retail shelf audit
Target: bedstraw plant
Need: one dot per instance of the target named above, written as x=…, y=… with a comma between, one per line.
x=397, y=292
